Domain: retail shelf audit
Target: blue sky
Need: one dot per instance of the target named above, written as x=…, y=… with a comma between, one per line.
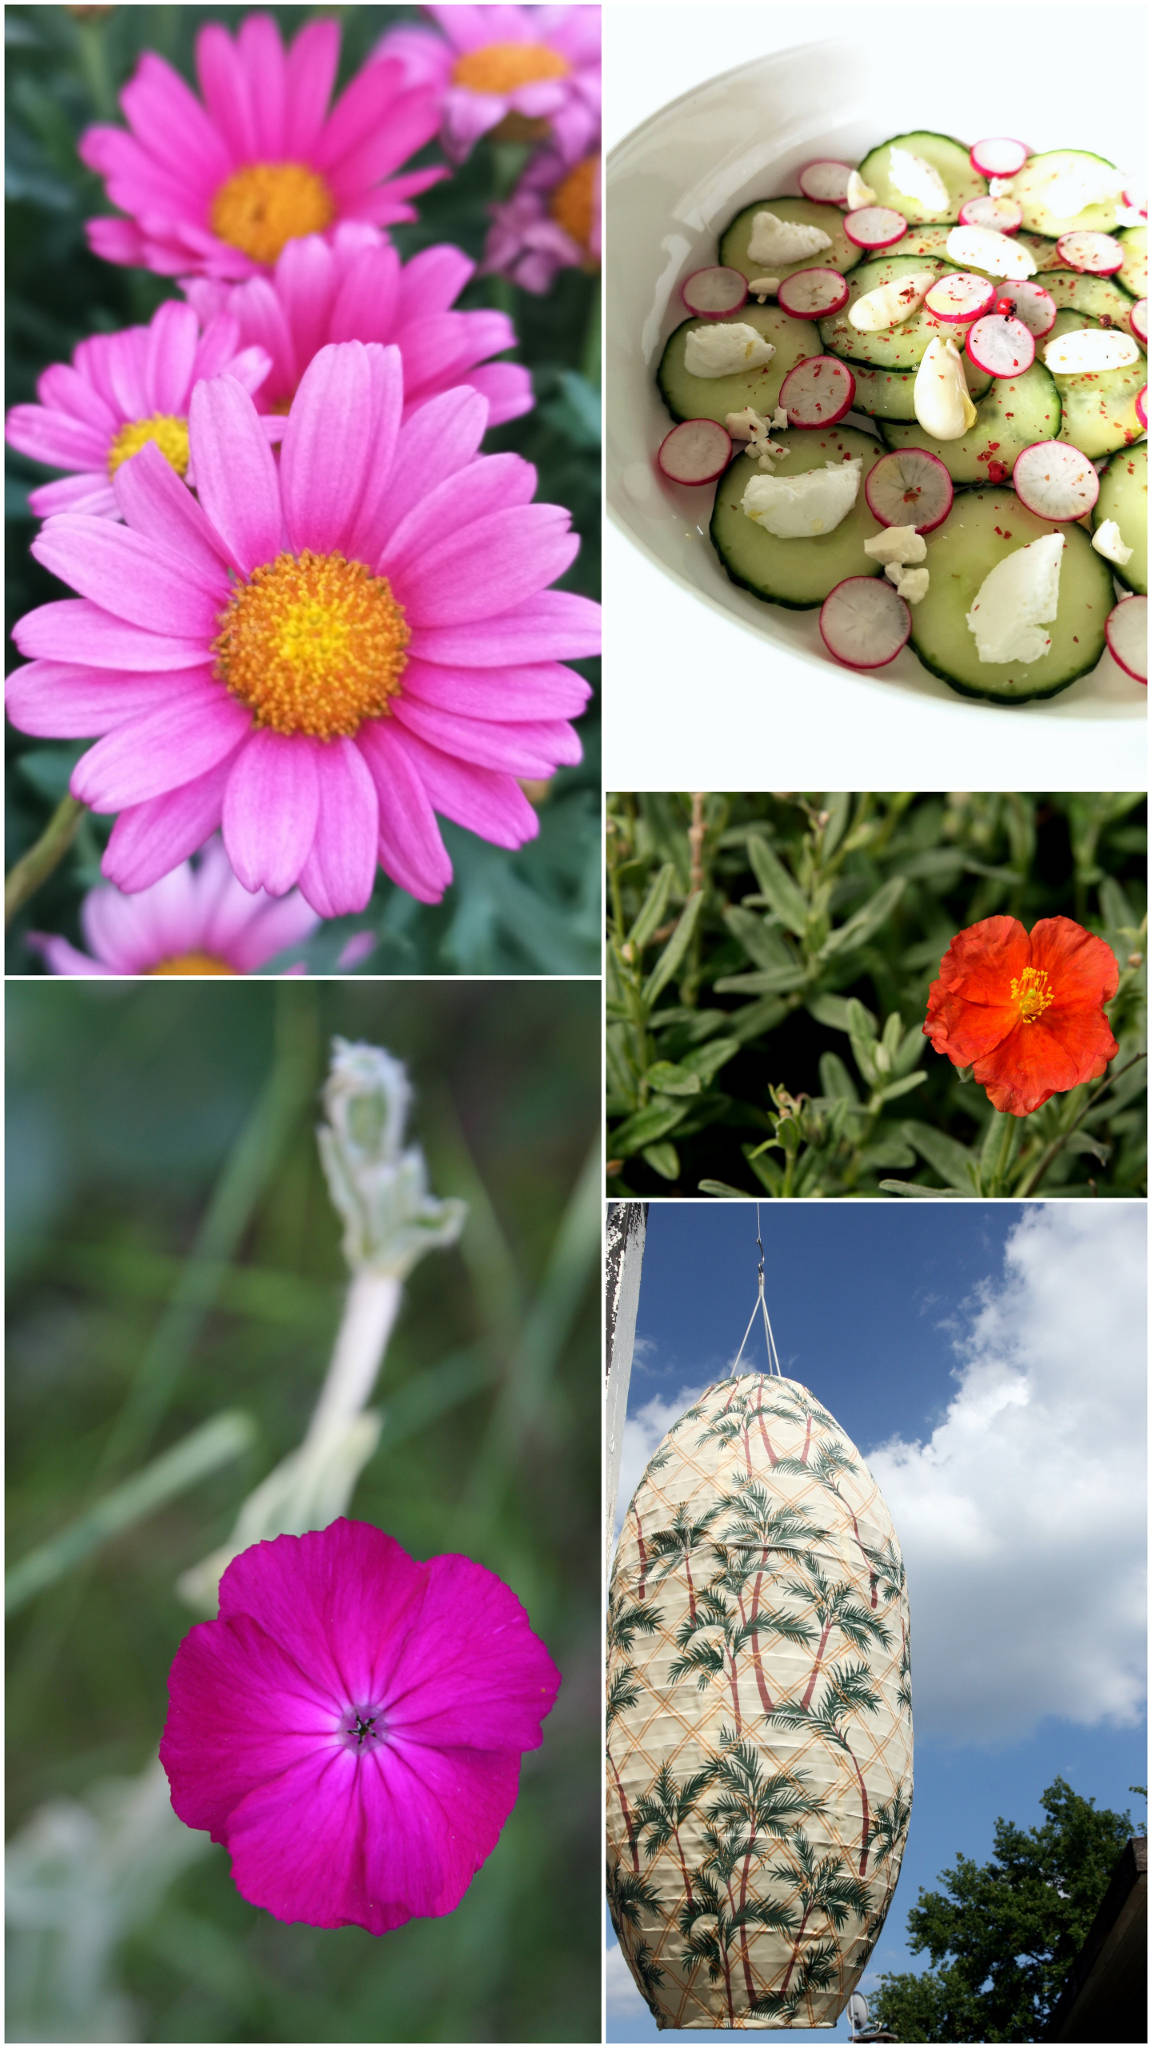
x=989, y=1361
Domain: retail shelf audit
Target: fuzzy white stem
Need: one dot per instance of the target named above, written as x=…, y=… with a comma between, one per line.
x=370, y=1310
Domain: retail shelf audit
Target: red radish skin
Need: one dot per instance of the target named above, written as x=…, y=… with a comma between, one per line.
x=1142, y=405
x=1055, y=481
x=1029, y=302
x=1083, y=249
x=1002, y=345
x=818, y=392
x=863, y=623
x=1126, y=630
x=695, y=452
x=1138, y=321
x=714, y=292
x=813, y=294
x=825, y=180
x=1003, y=214
x=874, y=227
x=909, y=487
x=998, y=156
x=960, y=295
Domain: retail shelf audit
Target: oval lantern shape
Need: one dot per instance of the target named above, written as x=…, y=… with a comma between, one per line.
x=759, y=1714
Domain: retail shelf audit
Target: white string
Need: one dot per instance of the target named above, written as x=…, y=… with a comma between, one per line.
x=762, y=1305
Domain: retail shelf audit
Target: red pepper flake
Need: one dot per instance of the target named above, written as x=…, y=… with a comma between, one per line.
x=996, y=473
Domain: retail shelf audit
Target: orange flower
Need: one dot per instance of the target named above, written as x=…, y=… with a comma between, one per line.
x=1025, y=1013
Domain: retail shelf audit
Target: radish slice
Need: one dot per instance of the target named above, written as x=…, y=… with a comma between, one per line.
x=1084, y=249
x=909, y=487
x=714, y=291
x=695, y=452
x=863, y=623
x=1126, y=629
x=959, y=295
x=874, y=227
x=998, y=156
x=1054, y=480
x=1002, y=214
x=1138, y=321
x=1005, y=347
x=1030, y=303
x=825, y=180
x=1142, y=405
x=813, y=294
x=818, y=392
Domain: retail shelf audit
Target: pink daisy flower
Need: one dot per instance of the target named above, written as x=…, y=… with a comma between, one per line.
x=525, y=72
x=353, y=287
x=351, y=1725
x=197, y=920
x=119, y=391
x=551, y=222
x=219, y=185
x=321, y=654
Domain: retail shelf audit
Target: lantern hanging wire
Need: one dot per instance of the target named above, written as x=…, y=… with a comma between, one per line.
x=761, y=1308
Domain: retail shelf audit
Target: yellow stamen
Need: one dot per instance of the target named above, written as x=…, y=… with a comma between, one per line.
x=312, y=644
x=192, y=963
x=503, y=67
x=263, y=206
x=573, y=202
x=168, y=432
x=1032, y=994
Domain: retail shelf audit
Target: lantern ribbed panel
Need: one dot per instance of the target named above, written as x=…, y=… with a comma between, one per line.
x=759, y=1715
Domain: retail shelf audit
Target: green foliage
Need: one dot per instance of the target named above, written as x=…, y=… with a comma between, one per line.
x=535, y=911
x=767, y=975
x=1003, y=1934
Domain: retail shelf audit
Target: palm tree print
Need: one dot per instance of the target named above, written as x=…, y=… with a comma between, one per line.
x=891, y=1580
x=838, y=1607
x=715, y=1901
x=849, y=1691
x=729, y=1428
x=627, y=1892
x=830, y=1460
x=827, y=1890
x=705, y=1654
x=752, y=1811
x=627, y=1620
x=624, y=1692
x=771, y=1529
x=661, y=1812
x=674, y=1546
x=890, y=1826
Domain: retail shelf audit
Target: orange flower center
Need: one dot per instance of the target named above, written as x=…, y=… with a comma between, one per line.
x=502, y=67
x=192, y=963
x=263, y=206
x=312, y=644
x=169, y=432
x=573, y=202
x=1031, y=994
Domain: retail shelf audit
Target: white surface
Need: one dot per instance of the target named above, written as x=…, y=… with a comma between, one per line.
x=706, y=685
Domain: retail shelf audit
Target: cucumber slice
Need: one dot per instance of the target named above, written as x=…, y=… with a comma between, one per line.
x=1101, y=297
x=713, y=398
x=1133, y=272
x=888, y=394
x=842, y=255
x=891, y=348
x=1124, y=498
x=1034, y=188
x=1013, y=414
x=1098, y=409
x=949, y=158
x=797, y=573
x=982, y=527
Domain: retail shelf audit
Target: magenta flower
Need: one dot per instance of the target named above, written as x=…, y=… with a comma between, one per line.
x=119, y=391
x=353, y=287
x=218, y=186
x=351, y=1726
x=321, y=653
x=551, y=222
x=526, y=72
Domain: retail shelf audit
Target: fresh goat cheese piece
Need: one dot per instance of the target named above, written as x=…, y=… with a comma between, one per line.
x=779, y=418
x=941, y=399
x=858, y=193
x=745, y=425
x=985, y=249
x=916, y=178
x=784, y=241
x=723, y=347
x=1090, y=349
x=763, y=287
x=999, y=188
x=1108, y=541
x=897, y=544
x=1082, y=185
x=796, y=507
x=891, y=303
x=911, y=584
x=1015, y=600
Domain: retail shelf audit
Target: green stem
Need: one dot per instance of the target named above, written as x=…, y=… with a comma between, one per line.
x=1008, y=1126
x=1030, y=1185
x=590, y=352
x=34, y=867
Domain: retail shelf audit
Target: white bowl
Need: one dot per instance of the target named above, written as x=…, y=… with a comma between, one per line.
x=674, y=183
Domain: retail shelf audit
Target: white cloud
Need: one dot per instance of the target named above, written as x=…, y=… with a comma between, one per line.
x=1021, y=1517
x=621, y=1998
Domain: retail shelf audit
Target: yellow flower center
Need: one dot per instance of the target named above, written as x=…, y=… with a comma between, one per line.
x=312, y=643
x=169, y=433
x=263, y=206
x=573, y=201
x=502, y=67
x=1032, y=994
x=192, y=963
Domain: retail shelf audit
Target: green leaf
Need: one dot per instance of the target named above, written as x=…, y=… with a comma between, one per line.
x=576, y=412
x=953, y=1162
x=777, y=886
x=1115, y=907
x=646, y=1126
x=763, y=981
x=767, y=1172
x=862, y=1033
x=663, y=1159
x=755, y=1019
x=707, y=1060
x=48, y=770
x=910, y=1050
x=669, y=1079
x=762, y=942
x=866, y=920
x=722, y=1188
x=839, y=809
x=915, y=1188
x=835, y=1079
x=676, y=948
x=892, y=1089
x=834, y=1011
x=653, y=908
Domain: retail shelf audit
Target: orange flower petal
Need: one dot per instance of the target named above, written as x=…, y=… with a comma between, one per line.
x=967, y=1031
x=1080, y=967
x=981, y=961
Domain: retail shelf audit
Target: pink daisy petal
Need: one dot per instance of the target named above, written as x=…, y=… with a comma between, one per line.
x=119, y=241
x=171, y=123
x=270, y=811
x=489, y=804
x=343, y=852
x=259, y=47
x=438, y=439
x=154, y=502
x=225, y=89
x=160, y=751
x=312, y=62
x=556, y=622
x=365, y=303
x=150, y=839
x=73, y=494
x=56, y=438
x=281, y=923
x=456, y=582
x=507, y=387
x=173, y=338
x=410, y=847
x=236, y=477
x=339, y=441
x=118, y=929
x=62, y=957
x=128, y=575
x=306, y=282
x=528, y=748
x=412, y=121
x=61, y=388
x=494, y=483
x=432, y=280
x=537, y=690
x=72, y=629
x=57, y=701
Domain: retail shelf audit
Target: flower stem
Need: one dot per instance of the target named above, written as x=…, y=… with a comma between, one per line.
x=34, y=867
x=1008, y=1134
x=1033, y=1180
x=370, y=1309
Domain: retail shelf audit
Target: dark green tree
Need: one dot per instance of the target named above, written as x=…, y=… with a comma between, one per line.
x=1002, y=1934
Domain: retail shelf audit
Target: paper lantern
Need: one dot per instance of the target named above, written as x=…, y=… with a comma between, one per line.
x=759, y=1714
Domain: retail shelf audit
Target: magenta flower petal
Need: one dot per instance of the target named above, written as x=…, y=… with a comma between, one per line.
x=480, y=799
x=73, y=494
x=170, y=355
x=56, y=438
x=133, y=578
x=411, y=849
x=158, y=752
x=339, y=441
x=511, y=1680
x=72, y=629
x=171, y=123
x=439, y=439
x=235, y=472
x=153, y=501
x=457, y=583
x=270, y=811
x=557, y=622
x=150, y=839
x=540, y=690
x=312, y=62
x=56, y=700
x=494, y=483
x=282, y=922
x=529, y=748
x=343, y=853
x=435, y=1864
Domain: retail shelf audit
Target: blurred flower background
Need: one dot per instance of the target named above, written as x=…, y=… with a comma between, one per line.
x=176, y=1282
x=534, y=910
